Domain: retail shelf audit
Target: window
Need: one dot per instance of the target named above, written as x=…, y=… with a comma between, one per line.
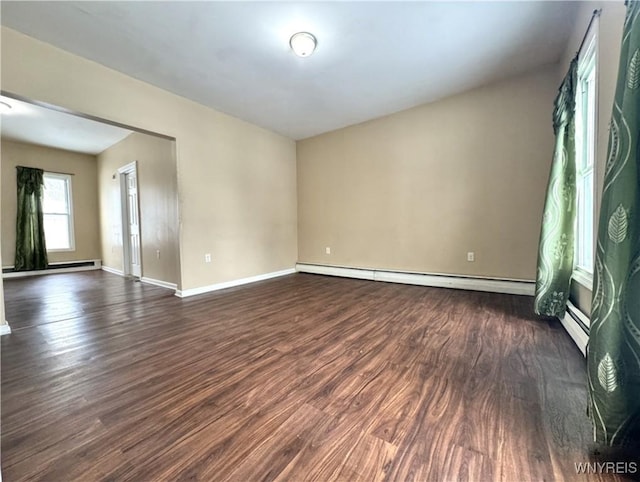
x=585, y=157
x=58, y=214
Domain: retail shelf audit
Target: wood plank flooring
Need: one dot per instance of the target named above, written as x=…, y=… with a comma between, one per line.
x=298, y=378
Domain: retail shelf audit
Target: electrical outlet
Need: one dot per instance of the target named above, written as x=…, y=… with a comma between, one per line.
x=207, y=258
x=157, y=254
x=327, y=250
x=471, y=256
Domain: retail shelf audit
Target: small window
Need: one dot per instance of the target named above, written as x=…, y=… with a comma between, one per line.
x=58, y=213
x=585, y=157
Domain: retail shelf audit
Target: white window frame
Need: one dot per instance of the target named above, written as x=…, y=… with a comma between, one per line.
x=586, y=154
x=72, y=241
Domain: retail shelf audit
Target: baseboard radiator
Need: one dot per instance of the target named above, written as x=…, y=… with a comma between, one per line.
x=516, y=287
x=60, y=267
x=577, y=325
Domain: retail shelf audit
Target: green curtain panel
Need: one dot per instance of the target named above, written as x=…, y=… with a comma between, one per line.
x=614, y=339
x=555, y=255
x=31, y=249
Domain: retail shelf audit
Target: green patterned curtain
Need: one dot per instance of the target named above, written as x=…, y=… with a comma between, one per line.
x=614, y=339
x=555, y=255
x=31, y=250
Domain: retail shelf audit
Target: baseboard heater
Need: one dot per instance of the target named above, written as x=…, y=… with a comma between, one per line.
x=576, y=323
x=59, y=267
x=510, y=286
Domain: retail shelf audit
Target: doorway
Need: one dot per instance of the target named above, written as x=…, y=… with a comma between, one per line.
x=95, y=151
x=132, y=259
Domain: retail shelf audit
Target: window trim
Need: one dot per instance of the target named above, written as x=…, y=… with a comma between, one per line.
x=586, y=57
x=72, y=240
x=583, y=277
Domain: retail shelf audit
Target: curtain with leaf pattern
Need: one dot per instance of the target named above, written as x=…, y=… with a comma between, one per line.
x=614, y=339
x=555, y=255
x=31, y=249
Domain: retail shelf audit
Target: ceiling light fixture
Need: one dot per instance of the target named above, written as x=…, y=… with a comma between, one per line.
x=303, y=44
x=4, y=107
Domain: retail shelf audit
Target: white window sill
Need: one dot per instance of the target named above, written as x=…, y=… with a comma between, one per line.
x=67, y=250
x=584, y=278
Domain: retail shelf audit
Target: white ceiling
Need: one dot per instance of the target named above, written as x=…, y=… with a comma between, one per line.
x=46, y=127
x=373, y=58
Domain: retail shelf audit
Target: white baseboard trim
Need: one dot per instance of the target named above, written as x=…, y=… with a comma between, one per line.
x=157, y=282
x=144, y=279
x=515, y=287
x=576, y=332
x=119, y=272
x=97, y=264
x=359, y=273
x=231, y=284
x=5, y=329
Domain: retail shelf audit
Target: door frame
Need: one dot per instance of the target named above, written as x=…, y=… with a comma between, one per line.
x=132, y=167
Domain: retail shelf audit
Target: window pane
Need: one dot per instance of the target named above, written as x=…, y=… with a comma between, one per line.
x=55, y=195
x=591, y=119
x=580, y=224
x=584, y=232
x=585, y=128
x=587, y=234
x=56, y=204
x=56, y=230
x=585, y=153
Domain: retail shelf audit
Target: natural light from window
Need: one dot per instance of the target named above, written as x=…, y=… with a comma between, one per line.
x=585, y=156
x=58, y=219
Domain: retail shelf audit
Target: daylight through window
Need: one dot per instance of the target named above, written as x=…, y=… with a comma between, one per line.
x=585, y=156
x=57, y=209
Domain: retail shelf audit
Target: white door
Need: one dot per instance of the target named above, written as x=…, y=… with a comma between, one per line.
x=134, y=224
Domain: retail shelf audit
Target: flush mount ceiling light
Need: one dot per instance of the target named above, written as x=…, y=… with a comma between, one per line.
x=4, y=107
x=303, y=44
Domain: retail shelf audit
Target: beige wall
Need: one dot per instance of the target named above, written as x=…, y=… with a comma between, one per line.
x=84, y=188
x=420, y=188
x=609, y=38
x=236, y=181
x=412, y=191
x=158, y=197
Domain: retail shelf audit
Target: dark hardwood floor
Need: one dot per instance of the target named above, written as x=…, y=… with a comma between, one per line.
x=298, y=378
